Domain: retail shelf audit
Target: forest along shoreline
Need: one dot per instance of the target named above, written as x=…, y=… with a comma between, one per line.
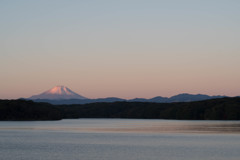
x=214, y=109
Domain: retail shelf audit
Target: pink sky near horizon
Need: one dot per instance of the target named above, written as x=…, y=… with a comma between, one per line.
x=124, y=49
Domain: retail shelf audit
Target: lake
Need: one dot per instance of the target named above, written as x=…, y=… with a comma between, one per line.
x=119, y=139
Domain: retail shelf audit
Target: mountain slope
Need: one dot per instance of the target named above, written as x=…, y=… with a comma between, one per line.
x=57, y=93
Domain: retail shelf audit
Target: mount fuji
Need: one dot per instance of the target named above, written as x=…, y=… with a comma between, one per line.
x=57, y=93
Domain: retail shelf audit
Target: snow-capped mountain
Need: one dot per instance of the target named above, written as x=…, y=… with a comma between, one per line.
x=58, y=92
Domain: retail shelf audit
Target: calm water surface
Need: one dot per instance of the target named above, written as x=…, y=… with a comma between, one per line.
x=118, y=139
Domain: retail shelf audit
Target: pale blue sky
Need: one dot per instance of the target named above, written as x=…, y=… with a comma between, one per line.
x=125, y=49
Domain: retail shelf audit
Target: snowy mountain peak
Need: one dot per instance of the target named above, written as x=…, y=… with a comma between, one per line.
x=58, y=92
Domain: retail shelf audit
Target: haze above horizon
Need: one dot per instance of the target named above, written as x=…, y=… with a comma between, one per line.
x=123, y=49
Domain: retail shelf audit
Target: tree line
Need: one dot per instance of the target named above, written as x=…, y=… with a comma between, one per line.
x=214, y=109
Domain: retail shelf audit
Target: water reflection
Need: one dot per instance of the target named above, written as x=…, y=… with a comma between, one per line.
x=127, y=126
x=176, y=127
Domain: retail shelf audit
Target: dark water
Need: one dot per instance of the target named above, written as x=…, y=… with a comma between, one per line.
x=120, y=139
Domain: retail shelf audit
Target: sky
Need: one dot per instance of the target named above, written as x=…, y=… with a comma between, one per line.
x=125, y=49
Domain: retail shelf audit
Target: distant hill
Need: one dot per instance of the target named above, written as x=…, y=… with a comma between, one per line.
x=214, y=109
x=79, y=101
x=177, y=98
